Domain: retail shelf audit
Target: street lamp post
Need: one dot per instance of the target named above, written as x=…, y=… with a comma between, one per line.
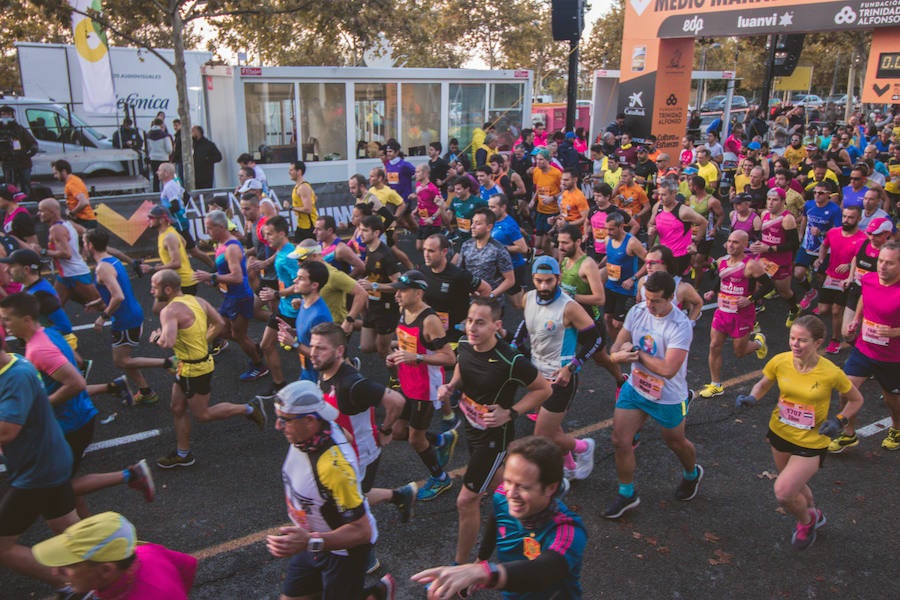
x=703, y=68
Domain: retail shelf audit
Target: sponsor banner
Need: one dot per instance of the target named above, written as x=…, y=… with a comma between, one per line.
x=93, y=57
x=800, y=79
x=673, y=89
x=882, y=83
x=695, y=18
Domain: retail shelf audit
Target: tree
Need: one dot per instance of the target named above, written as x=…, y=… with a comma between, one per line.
x=603, y=47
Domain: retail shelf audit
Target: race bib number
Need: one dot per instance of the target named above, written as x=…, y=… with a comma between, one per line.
x=393, y=178
x=600, y=234
x=647, y=385
x=423, y=213
x=833, y=283
x=223, y=288
x=406, y=341
x=464, y=224
x=728, y=303
x=770, y=267
x=445, y=319
x=870, y=334
x=801, y=416
x=474, y=412
x=613, y=272
x=859, y=275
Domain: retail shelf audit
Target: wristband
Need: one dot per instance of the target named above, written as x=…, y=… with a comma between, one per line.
x=419, y=359
x=386, y=430
x=105, y=315
x=215, y=278
x=492, y=572
x=574, y=366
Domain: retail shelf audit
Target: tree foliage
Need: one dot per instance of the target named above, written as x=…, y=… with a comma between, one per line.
x=603, y=47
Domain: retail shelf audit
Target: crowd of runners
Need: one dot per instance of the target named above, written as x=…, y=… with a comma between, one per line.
x=528, y=267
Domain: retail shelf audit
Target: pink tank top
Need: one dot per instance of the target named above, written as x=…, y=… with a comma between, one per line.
x=673, y=232
x=598, y=228
x=881, y=306
x=746, y=226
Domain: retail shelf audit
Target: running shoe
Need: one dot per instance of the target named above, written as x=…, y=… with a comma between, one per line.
x=834, y=347
x=892, y=441
x=763, y=349
x=390, y=587
x=394, y=383
x=760, y=307
x=568, y=474
x=842, y=442
x=86, y=368
x=711, y=390
x=149, y=398
x=808, y=299
x=815, y=311
x=771, y=295
x=374, y=563
x=448, y=445
x=448, y=424
x=820, y=517
x=273, y=391
x=756, y=327
x=584, y=461
x=218, y=346
x=121, y=385
x=172, y=460
x=792, y=316
x=433, y=488
x=688, y=488
x=620, y=506
x=805, y=535
x=405, y=506
x=258, y=415
x=355, y=363
x=254, y=373
x=141, y=479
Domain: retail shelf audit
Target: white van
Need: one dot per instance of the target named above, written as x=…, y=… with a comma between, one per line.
x=60, y=133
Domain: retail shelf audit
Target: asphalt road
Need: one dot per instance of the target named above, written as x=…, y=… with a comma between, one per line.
x=729, y=542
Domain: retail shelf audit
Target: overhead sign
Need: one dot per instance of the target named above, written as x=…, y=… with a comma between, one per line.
x=882, y=83
x=801, y=79
x=715, y=18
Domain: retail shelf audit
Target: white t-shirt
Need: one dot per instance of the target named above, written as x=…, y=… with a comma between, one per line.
x=655, y=336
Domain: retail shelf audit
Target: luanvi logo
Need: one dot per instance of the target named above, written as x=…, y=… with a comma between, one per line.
x=881, y=91
x=640, y=6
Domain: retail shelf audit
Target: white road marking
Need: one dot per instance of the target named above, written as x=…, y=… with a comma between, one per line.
x=121, y=441
x=876, y=427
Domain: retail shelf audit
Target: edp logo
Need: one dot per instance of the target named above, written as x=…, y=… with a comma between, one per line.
x=693, y=25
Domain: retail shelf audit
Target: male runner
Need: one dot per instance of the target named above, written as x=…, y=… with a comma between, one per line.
x=488, y=373
x=596, y=225
x=172, y=251
x=540, y=542
x=171, y=198
x=462, y=207
x=506, y=231
x=580, y=278
x=231, y=278
x=840, y=247
x=554, y=324
x=776, y=247
x=335, y=251
x=73, y=276
x=623, y=251
x=187, y=324
x=485, y=257
x=422, y=352
x=742, y=281
x=655, y=339
x=819, y=215
x=311, y=277
x=545, y=202
x=877, y=350
x=382, y=268
x=340, y=292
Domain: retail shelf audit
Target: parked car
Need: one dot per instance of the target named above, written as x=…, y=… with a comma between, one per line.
x=717, y=103
x=840, y=99
x=808, y=101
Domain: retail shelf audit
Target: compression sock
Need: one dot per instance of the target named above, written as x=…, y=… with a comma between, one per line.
x=626, y=489
x=691, y=475
x=430, y=460
x=182, y=453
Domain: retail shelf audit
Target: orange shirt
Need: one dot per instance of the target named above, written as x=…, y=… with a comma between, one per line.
x=547, y=187
x=631, y=198
x=74, y=187
x=573, y=205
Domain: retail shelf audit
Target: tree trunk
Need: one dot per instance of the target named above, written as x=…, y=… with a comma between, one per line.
x=184, y=106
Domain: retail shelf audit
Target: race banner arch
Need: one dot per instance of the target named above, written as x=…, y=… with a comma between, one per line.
x=658, y=49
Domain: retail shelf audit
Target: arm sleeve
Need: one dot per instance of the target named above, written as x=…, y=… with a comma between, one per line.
x=364, y=394
x=791, y=241
x=488, y=538
x=590, y=340
x=533, y=575
x=763, y=286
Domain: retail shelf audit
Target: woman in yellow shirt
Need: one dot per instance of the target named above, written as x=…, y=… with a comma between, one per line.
x=800, y=428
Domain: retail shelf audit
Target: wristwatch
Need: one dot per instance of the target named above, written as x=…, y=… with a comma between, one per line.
x=375, y=285
x=315, y=545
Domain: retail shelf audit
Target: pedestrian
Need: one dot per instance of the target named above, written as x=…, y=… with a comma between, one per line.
x=206, y=155
x=159, y=148
x=17, y=146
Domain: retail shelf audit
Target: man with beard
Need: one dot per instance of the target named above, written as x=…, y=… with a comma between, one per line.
x=187, y=324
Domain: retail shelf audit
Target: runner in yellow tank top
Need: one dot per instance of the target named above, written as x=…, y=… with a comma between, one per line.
x=172, y=250
x=187, y=323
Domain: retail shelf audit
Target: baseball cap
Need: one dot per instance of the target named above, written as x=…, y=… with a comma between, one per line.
x=158, y=211
x=107, y=537
x=410, y=279
x=742, y=198
x=754, y=146
x=545, y=264
x=812, y=147
x=11, y=193
x=777, y=191
x=641, y=148
x=305, y=248
x=570, y=135
x=690, y=171
x=24, y=257
x=880, y=225
x=304, y=398
x=250, y=184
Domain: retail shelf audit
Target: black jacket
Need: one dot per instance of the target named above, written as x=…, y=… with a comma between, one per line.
x=206, y=154
x=17, y=146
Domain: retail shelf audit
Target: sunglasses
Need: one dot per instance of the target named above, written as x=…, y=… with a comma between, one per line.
x=409, y=281
x=285, y=420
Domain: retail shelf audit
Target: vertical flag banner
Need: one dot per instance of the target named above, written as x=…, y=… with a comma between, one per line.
x=93, y=57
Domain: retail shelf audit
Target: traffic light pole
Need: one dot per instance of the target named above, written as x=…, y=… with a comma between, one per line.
x=572, y=88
